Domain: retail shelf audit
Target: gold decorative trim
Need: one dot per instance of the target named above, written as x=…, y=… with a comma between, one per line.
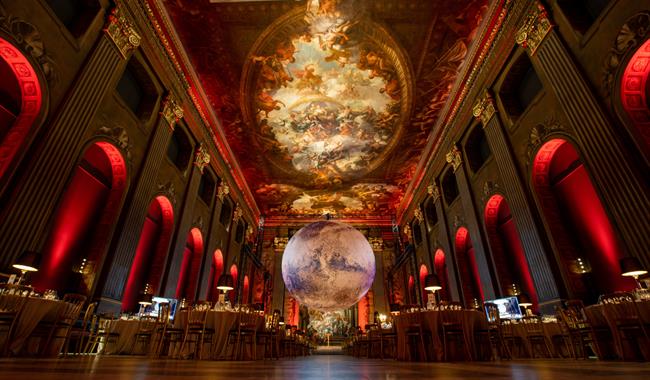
x=454, y=157
x=376, y=243
x=484, y=108
x=201, y=158
x=171, y=111
x=223, y=190
x=121, y=31
x=434, y=191
x=535, y=29
x=417, y=213
x=238, y=213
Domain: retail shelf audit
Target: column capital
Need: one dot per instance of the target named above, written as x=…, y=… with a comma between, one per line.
x=484, y=108
x=120, y=30
x=223, y=190
x=201, y=157
x=237, y=214
x=171, y=111
x=454, y=157
x=534, y=29
x=434, y=191
x=417, y=213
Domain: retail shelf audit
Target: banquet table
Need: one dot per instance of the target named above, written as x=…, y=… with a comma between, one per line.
x=432, y=321
x=221, y=322
x=127, y=329
x=549, y=329
x=36, y=310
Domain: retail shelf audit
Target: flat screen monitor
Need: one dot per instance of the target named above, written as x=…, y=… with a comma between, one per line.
x=154, y=309
x=508, y=307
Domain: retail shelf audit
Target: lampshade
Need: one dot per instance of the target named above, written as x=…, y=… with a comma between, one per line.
x=431, y=283
x=524, y=300
x=631, y=267
x=281, y=321
x=146, y=299
x=28, y=261
x=225, y=282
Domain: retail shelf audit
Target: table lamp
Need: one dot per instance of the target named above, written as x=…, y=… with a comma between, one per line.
x=225, y=283
x=431, y=284
x=631, y=267
x=145, y=300
x=28, y=261
x=524, y=301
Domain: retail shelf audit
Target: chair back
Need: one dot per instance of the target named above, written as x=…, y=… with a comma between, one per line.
x=492, y=313
x=147, y=324
x=196, y=319
x=620, y=308
x=73, y=304
x=248, y=320
x=163, y=313
x=533, y=325
x=88, y=316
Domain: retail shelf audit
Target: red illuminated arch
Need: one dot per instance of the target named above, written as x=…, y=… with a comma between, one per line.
x=216, y=270
x=188, y=277
x=30, y=103
x=151, y=252
x=440, y=267
x=83, y=221
x=424, y=271
x=468, y=268
x=235, y=275
x=245, y=290
x=635, y=88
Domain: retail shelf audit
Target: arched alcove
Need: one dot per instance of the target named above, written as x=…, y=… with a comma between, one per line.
x=89, y=206
x=216, y=270
x=190, y=266
x=234, y=272
x=440, y=266
x=20, y=103
x=151, y=251
x=635, y=95
x=424, y=271
x=469, y=274
x=508, y=253
x=578, y=223
x=245, y=290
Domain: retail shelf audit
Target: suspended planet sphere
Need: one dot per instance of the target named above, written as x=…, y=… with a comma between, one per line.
x=328, y=266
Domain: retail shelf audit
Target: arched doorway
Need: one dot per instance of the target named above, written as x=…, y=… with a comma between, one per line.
x=20, y=102
x=635, y=95
x=245, y=290
x=588, y=249
x=188, y=276
x=216, y=270
x=469, y=274
x=412, y=296
x=440, y=266
x=235, y=276
x=150, y=254
x=507, y=251
x=83, y=221
x=424, y=271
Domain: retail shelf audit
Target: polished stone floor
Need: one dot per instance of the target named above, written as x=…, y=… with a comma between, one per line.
x=336, y=367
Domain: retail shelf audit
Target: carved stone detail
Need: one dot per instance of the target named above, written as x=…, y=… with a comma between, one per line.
x=169, y=191
x=119, y=137
x=408, y=232
x=28, y=39
x=434, y=191
x=538, y=135
x=223, y=190
x=454, y=157
x=633, y=33
x=171, y=111
x=458, y=221
x=484, y=108
x=202, y=157
x=121, y=31
x=237, y=215
x=198, y=223
x=417, y=213
x=534, y=30
x=280, y=243
x=376, y=243
x=489, y=189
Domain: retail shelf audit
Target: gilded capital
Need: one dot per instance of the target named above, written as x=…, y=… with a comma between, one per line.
x=238, y=213
x=434, y=191
x=223, y=190
x=417, y=213
x=201, y=158
x=171, y=111
x=121, y=31
x=534, y=30
x=484, y=108
x=454, y=158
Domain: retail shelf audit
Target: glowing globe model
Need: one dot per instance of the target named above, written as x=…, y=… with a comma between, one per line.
x=328, y=266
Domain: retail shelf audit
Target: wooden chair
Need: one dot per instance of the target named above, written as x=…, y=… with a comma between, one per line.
x=147, y=328
x=100, y=334
x=62, y=325
x=80, y=332
x=511, y=340
x=453, y=329
x=288, y=340
x=624, y=318
x=373, y=333
x=270, y=337
x=11, y=307
x=493, y=332
x=196, y=332
x=245, y=333
x=536, y=337
x=388, y=339
x=580, y=332
x=416, y=340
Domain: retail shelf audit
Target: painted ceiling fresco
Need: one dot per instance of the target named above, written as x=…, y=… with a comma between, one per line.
x=327, y=104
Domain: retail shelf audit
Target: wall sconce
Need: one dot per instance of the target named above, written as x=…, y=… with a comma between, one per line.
x=580, y=266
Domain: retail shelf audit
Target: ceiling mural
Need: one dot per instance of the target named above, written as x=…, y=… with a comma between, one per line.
x=318, y=99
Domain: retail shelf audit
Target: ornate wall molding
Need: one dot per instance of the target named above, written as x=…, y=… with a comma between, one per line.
x=168, y=190
x=237, y=215
x=417, y=213
x=120, y=30
x=28, y=39
x=539, y=134
x=533, y=31
x=119, y=137
x=633, y=33
x=454, y=157
x=223, y=190
x=198, y=223
x=489, y=188
x=484, y=108
x=434, y=191
x=171, y=111
x=458, y=222
x=201, y=157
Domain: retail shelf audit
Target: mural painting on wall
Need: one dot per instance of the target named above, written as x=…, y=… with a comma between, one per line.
x=327, y=96
x=330, y=323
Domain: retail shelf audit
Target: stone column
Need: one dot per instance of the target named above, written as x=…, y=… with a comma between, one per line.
x=127, y=240
x=475, y=233
x=619, y=182
x=27, y=214
x=172, y=272
x=212, y=244
x=529, y=231
x=455, y=290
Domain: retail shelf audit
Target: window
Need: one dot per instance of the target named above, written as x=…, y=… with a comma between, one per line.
x=430, y=213
x=582, y=13
x=477, y=149
x=225, y=215
x=76, y=15
x=449, y=187
x=179, y=150
x=206, y=188
x=520, y=87
x=239, y=233
x=137, y=90
x=417, y=233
